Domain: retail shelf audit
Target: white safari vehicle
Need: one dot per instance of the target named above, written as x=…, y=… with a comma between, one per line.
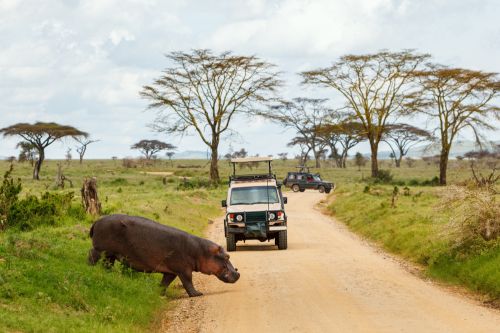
x=254, y=207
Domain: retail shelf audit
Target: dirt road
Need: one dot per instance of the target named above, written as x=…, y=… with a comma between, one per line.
x=327, y=281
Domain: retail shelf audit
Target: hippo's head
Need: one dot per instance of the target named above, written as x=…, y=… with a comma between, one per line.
x=220, y=266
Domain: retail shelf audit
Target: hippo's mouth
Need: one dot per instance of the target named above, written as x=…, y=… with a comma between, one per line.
x=229, y=276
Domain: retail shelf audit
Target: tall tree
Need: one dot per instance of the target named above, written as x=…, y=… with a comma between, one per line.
x=204, y=91
x=401, y=137
x=458, y=99
x=41, y=135
x=376, y=87
x=303, y=115
x=83, y=143
x=305, y=149
x=149, y=148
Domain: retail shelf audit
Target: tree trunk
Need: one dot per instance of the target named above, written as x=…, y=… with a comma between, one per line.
x=90, y=199
x=38, y=164
x=214, y=168
x=443, y=165
x=374, y=151
x=397, y=161
x=316, y=158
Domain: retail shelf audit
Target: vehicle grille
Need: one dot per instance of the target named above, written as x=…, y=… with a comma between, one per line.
x=255, y=216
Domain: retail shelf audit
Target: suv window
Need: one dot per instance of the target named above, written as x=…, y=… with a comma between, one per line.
x=291, y=176
x=254, y=195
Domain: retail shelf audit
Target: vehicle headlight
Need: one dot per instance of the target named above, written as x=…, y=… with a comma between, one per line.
x=239, y=218
x=272, y=216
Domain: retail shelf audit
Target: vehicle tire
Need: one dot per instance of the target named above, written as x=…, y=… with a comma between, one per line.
x=230, y=243
x=321, y=189
x=282, y=240
x=295, y=187
x=302, y=190
x=328, y=190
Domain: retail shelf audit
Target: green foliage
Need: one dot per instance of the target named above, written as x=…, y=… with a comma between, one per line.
x=9, y=192
x=383, y=177
x=32, y=212
x=195, y=183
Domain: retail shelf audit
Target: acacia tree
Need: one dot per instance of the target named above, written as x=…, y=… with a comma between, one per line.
x=81, y=149
x=376, y=88
x=150, y=147
x=346, y=133
x=401, y=137
x=41, y=135
x=458, y=99
x=203, y=91
x=303, y=115
x=305, y=149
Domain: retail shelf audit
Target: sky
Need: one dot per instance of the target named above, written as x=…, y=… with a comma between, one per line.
x=83, y=63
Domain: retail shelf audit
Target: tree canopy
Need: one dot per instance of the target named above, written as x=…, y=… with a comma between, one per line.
x=401, y=137
x=303, y=115
x=457, y=99
x=203, y=91
x=41, y=135
x=150, y=147
x=375, y=87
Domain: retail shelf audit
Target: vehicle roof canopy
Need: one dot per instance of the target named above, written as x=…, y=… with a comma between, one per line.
x=251, y=159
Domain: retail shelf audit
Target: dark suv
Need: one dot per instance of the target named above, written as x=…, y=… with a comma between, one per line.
x=300, y=181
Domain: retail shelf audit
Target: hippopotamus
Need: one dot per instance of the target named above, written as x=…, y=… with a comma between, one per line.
x=151, y=247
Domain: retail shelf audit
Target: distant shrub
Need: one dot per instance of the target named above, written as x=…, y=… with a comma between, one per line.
x=384, y=177
x=413, y=182
x=195, y=183
x=430, y=182
x=118, y=181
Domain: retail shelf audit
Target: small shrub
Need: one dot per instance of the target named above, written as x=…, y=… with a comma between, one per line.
x=413, y=182
x=384, y=177
x=119, y=181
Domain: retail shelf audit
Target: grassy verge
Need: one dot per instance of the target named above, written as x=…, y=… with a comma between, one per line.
x=416, y=229
x=45, y=282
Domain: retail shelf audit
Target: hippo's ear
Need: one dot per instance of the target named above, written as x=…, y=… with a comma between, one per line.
x=216, y=249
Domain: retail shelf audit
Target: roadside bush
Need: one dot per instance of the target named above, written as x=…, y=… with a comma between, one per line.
x=475, y=219
x=31, y=212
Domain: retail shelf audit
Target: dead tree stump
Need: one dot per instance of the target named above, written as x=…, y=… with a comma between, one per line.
x=90, y=199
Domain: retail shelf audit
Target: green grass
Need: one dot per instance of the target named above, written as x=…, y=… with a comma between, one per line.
x=416, y=230
x=47, y=286
x=45, y=282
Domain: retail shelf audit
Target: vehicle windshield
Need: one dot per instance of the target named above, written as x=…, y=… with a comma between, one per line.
x=317, y=178
x=254, y=195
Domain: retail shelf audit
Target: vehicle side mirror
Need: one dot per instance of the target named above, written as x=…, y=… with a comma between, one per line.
x=224, y=203
x=285, y=200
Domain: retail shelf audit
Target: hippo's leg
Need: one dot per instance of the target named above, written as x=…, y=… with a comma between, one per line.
x=94, y=256
x=109, y=260
x=167, y=279
x=187, y=282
